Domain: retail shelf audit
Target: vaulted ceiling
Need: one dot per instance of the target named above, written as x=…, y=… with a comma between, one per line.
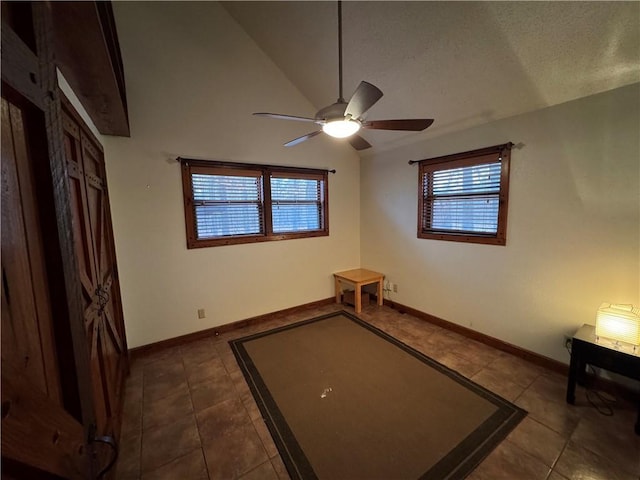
x=462, y=63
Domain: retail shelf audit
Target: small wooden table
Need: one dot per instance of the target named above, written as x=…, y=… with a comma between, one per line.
x=586, y=348
x=358, y=277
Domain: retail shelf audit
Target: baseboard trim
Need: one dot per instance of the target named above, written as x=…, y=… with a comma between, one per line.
x=228, y=327
x=496, y=343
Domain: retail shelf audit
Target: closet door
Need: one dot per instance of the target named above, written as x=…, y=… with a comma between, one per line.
x=95, y=251
x=41, y=425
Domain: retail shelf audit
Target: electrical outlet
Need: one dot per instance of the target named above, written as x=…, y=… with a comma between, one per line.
x=567, y=341
x=201, y=313
x=395, y=288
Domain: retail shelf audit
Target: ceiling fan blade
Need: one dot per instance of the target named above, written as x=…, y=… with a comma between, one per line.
x=358, y=142
x=301, y=139
x=365, y=96
x=412, y=125
x=284, y=117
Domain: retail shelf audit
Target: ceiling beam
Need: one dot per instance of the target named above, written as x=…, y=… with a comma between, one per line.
x=88, y=55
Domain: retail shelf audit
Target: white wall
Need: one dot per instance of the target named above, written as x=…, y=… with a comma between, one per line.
x=573, y=228
x=193, y=78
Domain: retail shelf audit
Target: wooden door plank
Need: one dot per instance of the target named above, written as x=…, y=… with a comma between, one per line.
x=36, y=254
x=20, y=332
x=35, y=434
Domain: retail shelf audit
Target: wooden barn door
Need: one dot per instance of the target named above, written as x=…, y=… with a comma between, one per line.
x=95, y=251
x=42, y=429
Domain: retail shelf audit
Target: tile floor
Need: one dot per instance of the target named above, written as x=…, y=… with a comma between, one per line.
x=190, y=415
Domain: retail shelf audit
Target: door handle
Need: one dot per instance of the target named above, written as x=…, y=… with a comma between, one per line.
x=108, y=440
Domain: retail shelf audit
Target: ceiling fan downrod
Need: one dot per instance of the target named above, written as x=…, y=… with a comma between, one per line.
x=340, y=98
x=343, y=119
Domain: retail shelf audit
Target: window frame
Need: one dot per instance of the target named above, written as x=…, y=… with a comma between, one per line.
x=211, y=167
x=482, y=156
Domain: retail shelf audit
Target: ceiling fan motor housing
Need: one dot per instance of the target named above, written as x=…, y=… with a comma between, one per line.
x=334, y=111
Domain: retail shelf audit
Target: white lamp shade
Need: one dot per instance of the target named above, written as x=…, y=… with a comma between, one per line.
x=341, y=128
x=619, y=322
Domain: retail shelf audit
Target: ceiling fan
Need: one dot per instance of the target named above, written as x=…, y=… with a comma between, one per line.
x=342, y=119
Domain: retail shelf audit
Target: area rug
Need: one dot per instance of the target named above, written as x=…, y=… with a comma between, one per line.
x=344, y=400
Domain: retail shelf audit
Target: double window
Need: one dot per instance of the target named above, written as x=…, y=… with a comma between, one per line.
x=464, y=197
x=229, y=203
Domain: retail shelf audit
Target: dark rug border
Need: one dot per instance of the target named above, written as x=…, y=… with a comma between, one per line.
x=456, y=465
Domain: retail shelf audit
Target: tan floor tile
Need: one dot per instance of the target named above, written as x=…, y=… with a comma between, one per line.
x=167, y=410
x=219, y=419
x=522, y=372
x=188, y=467
x=498, y=382
x=223, y=348
x=251, y=406
x=199, y=372
x=128, y=465
x=509, y=462
x=160, y=355
x=455, y=362
x=262, y=472
x=611, y=437
x=265, y=436
x=280, y=469
x=169, y=366
x=578, y=463
x=230, y=363
x=234, y=452
x=237, y=444
x=163, y=444
x=164, y=387
x=212, y=391
x=478, y=353
x=198, y=351
x=545, y=402
x=539, y=441
x=132, y=411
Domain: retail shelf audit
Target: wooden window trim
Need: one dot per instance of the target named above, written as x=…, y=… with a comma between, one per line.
x=190, y=166
x=464, y=159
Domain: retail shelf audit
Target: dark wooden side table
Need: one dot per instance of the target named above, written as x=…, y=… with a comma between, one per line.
x=587, y=349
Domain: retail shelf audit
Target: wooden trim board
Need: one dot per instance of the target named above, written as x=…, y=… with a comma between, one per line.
x=228, y=327
x=496, y=343
x=535, y=358
x=594, y=382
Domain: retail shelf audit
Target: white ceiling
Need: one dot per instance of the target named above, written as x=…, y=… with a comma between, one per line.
x=461, y=63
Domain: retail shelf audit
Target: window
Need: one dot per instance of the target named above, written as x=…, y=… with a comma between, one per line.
x=463, y=197
x=228, y=203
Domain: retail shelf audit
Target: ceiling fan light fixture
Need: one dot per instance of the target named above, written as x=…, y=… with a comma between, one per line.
x=341, y=128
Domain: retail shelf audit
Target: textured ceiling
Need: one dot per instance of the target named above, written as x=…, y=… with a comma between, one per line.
x=462, y=63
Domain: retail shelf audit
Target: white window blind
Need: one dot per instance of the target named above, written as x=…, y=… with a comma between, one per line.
x=464, y=196
x=463, y=200
x=227, y=205
x=296, y=204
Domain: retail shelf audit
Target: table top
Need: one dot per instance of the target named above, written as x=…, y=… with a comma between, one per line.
x=359, y=275
x=587, y=333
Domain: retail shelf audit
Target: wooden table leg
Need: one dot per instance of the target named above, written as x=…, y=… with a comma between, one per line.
x=380, y=292
x=358, y=299
x=573, y=376
x=337, y=282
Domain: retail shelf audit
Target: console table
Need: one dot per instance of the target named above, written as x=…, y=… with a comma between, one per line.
x=586, y=348
x=358, y=277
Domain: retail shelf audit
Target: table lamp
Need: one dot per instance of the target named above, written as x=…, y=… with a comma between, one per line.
x=619, y=322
